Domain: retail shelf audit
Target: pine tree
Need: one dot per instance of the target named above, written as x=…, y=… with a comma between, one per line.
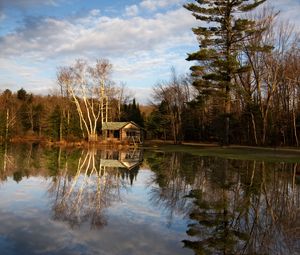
x=132, y=112
x=54, y=123
x=221, y=40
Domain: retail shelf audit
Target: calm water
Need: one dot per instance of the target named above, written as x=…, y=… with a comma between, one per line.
x=73, y=201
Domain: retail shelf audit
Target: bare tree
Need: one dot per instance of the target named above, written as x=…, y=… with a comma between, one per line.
x=174, y=94
x=8, y=106
x=264, y=88
x=86, y=86
x=87, y=194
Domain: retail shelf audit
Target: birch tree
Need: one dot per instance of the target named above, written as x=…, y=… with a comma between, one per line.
x=8, y=107
x=85, y=85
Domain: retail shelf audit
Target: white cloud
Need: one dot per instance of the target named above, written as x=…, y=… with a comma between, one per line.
x=140, y=48
x=49, y=37
x=153, y=5
x=131, y=10
x=95, y=12
x=15, y=74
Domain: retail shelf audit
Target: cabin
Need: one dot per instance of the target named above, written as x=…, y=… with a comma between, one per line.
x=122, y=132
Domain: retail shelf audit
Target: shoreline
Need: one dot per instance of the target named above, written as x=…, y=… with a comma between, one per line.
x=148, y=143
x=235, y=152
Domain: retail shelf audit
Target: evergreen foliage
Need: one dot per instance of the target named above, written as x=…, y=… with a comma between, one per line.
x=158, y=124
x=54, y=123
x=131, y=112
x=221, y=41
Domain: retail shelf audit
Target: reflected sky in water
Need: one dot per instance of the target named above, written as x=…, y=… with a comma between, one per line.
x=73, y=201
x=132, y=224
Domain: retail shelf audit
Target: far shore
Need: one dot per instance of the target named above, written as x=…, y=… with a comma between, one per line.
x=240, y=152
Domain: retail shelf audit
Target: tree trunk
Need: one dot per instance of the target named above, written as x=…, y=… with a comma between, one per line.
x=81, y=126
x=174, y=131
x=5, y=157
x=7, y=125
x=254, y=128
x=68, y=123
x=295, y=126
x=31, y=119
x=264, y=130
x=227, y=118
x=265, y=114
x=93, y=137
x=61, y=126
x=227, y=123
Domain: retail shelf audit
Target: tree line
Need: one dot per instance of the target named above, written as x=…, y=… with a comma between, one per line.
x=52, y=117
x=244, y=86
x=86, y=98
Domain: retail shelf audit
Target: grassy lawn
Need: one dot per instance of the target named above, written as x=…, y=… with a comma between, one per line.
x=235, y=152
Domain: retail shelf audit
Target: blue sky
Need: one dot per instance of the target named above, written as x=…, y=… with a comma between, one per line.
x=142, y=39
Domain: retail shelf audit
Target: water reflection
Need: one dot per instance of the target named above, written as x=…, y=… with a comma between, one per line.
x=58, y=201
x=96, y=184
x=21, y=161
x=206, y=205
x=234, y=207
x=84, y=182
x=173, y=179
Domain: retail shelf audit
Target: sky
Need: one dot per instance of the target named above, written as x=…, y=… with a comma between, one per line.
x=143, y=39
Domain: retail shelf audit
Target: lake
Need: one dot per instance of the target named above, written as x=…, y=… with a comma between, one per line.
x=92, y=201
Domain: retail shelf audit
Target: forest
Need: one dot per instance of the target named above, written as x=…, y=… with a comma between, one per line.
x=51, y=118
x=243, y=88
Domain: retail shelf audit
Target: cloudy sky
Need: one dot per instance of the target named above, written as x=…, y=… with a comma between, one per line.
x=142, y=38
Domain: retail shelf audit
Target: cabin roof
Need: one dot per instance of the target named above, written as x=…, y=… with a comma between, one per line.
x=117, y=125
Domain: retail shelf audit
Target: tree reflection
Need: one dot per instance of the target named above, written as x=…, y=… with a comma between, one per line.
x=175, y=175
x=234, y=207
x=20, y=161
x=5, y=161
x=95, y=185
x=249, y=216
x=84, y=182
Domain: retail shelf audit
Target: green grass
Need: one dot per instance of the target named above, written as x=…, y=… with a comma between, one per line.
x=235, y=152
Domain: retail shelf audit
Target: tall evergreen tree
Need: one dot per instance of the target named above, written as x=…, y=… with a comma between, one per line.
x=220, y=40
x=131, y=112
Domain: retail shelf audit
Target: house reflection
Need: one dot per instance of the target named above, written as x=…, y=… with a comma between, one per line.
x=128, y=159
x=126, y=162
x=99, y=179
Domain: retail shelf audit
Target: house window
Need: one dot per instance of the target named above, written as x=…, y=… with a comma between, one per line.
x=116, y=134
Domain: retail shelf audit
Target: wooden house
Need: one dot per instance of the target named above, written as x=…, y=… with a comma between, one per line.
x=122, y=132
